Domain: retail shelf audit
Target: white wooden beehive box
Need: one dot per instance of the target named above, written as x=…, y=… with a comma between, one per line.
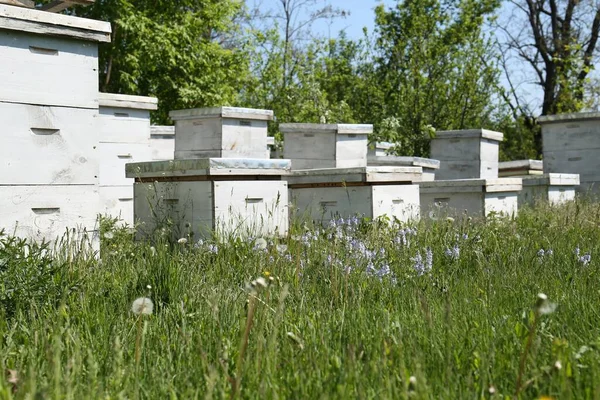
x=377, y=157
x=162, y=142
x=61, y=141
x=466, y=154
x=125, y=119
x=221, y=132
x=240, y=197
x=521, y=168
x=326, y=194
x=325, y=145
x=117, y=202
x=571, y=144
x=470, y=197
x=46, y=212
x=49, y=59
x=552, y=188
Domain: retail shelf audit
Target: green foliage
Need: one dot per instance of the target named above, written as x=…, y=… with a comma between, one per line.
x=183, y=52
x=430, y=68
x=471, y=327
x=29, y=276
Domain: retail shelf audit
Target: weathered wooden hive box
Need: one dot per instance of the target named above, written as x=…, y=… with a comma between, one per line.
x=521, y=168
x=378, y=157
x=466, y=154
x=552, y=188
x=241, y=197
x=571, y=145
x=48, y=115
x=325, y=145
x=227, y=132
x=330, y=193
x=162, y=142
x=124, y=125
x=470, y=197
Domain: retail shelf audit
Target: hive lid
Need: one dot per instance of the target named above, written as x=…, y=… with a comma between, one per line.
x=127, y=101
x=222, y=112
x=473, y=185
x=470, y=133
x=401, y=175
x=548, y=119
x=207, y=166
x=536, y=165
x=400, y=161
x=552, y=180
x=45, y=23
x=340, y=129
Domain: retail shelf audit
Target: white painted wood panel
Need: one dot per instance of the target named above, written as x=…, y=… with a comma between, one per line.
x=501, y=203
x=397, y=201
x=45, y=70
x=586, y=163
x=309, y=146
x=236, y=207
x=45, y=212
x=451, y=204
x=124, y=125
x=48, y=145
x=117, y=202
x=245, y=208
x=220, y=137
x=186, y=206
x=351, y=147
x=327, y=203
x=113, y=158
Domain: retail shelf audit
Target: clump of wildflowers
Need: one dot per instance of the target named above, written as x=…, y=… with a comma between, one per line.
x=583, y=259
x=453, y=253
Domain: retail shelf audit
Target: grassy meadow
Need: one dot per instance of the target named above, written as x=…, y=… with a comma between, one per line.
x=451, y=309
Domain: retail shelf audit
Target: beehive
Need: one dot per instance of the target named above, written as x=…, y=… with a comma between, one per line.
x=466, y=154
x=470, y=197
x=221, y=132
x=162, y=142
x=326, y=194
x=552, y=188
x=521, y=168
x=325, y=145
x=571, y=144
x=49, y=113
x=240, y=197
x=377, y=156
x=124, y=126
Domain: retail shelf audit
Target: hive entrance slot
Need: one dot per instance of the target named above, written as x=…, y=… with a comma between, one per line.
x=46, y=210
x=44, y=131
x=43, y=51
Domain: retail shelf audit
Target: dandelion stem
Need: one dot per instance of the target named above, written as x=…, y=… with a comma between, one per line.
x=243, y=346
x=523, y=360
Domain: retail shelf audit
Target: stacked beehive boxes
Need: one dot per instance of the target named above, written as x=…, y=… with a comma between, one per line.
x=48, y=117
x=331, y=179
x=537, y=186
x=469, y=182
x=220, y=180
x=162, y=142
x=124, y=125
x=378, y=157
x=571, y=143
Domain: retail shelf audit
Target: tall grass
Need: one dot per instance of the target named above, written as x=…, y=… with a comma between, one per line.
x=360, y=309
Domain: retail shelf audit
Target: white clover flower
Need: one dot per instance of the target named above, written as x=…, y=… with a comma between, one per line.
x=262, y=282
x=543, y=306
x=491, y=390
x=108, y=235
x=142, y=306
x=182, y=241
x=260, y=244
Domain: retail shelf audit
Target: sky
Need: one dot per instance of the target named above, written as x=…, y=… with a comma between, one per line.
x=361, y=14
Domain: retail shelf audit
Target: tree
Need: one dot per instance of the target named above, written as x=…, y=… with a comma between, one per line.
x=429, y=64
x=179, y=51
x=557, y=40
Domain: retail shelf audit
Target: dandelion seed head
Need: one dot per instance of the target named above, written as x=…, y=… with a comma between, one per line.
x=142, y=306
x=260, y=244
x=182, y=241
